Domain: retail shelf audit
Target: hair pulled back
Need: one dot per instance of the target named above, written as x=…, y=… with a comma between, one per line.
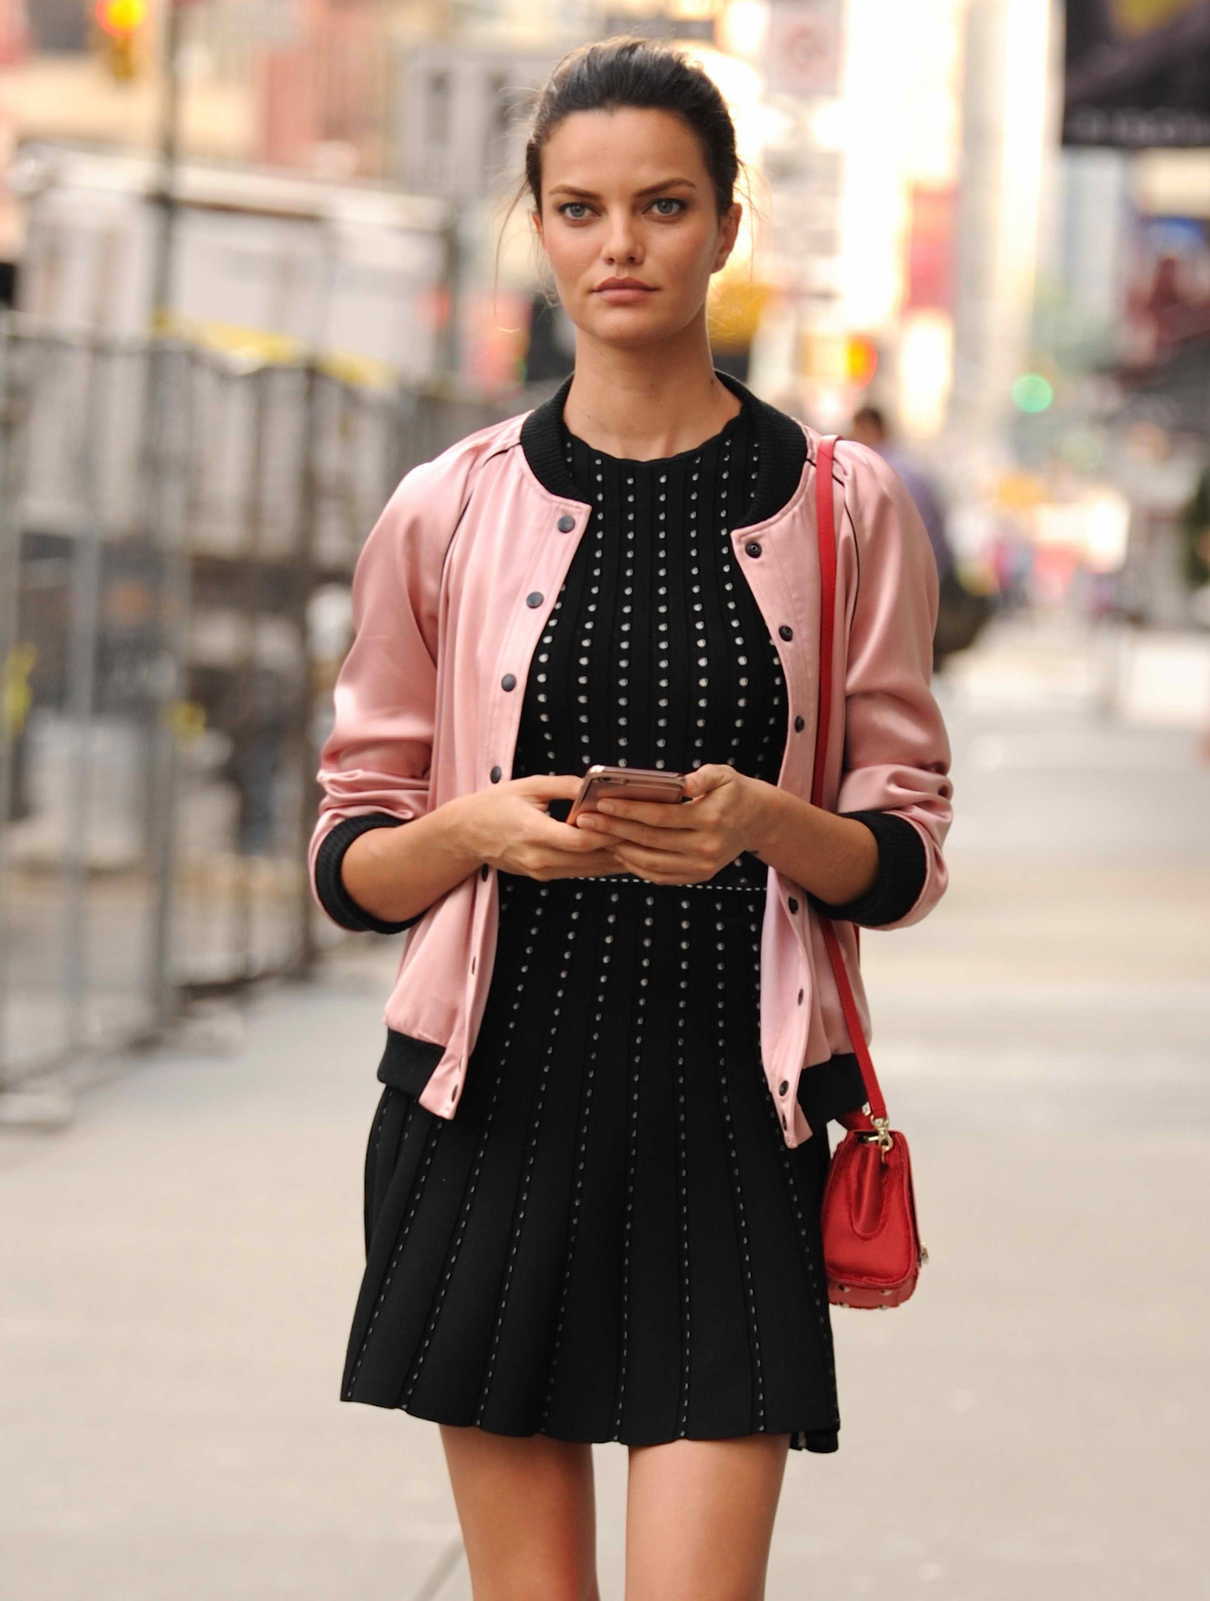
x=626, y=70
x=630, y=71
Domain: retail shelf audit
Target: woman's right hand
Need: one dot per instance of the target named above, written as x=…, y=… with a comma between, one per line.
x=509, y=827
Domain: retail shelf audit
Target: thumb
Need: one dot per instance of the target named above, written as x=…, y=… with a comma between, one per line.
x=557, y=786
x=703, y=779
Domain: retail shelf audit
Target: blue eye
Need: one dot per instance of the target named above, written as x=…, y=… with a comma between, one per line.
x=660, y=200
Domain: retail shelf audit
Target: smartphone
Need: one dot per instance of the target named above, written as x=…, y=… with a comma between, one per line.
x=628, y=783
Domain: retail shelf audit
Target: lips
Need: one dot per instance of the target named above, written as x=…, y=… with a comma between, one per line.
x=623, y=284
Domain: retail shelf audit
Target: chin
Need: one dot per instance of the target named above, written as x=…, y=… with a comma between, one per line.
x=633, y=339
x=634, y=324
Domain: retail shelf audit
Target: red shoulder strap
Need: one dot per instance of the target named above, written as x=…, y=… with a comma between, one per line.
x=825, y=520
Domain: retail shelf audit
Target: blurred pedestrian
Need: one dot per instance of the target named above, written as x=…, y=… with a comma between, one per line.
x=1157, y=470
x=870, y=427
x=594, y=1179
x=1195, y=567
x=961, y=612
x=258, y=723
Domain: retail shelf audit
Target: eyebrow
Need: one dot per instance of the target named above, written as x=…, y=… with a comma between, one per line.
x=591, y=194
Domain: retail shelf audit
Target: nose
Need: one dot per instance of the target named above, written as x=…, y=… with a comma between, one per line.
x=622, y=239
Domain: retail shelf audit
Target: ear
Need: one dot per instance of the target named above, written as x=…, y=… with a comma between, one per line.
x=730, y=232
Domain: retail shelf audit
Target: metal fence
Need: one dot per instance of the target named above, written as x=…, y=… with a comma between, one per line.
x=178, y=528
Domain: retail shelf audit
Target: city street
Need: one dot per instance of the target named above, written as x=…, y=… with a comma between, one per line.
x=180, y=1260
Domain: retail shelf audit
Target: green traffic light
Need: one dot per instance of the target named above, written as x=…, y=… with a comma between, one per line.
x=1032, y=392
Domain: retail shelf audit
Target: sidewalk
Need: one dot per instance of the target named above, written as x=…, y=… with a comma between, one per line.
x=181, y=1260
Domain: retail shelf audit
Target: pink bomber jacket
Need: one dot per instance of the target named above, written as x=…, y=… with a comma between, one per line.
x=451, y=591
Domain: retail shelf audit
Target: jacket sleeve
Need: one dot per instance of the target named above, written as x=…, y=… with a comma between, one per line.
x=895, y=774
x=374, y=763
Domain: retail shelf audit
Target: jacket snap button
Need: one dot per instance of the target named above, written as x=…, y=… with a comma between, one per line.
x=799, y=724
x=533, y=600
x=786, y=631
x=566, y=523
x=483, y=871
x=800, y=997
x=508, y=681
x=495, y=775
x=783, y=1086
x=792, y=903
x=753, y=547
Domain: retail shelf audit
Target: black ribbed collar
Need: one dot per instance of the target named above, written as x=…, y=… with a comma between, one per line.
x=782, y=453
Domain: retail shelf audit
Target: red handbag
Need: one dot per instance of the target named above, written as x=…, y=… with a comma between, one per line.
x=871, y=1241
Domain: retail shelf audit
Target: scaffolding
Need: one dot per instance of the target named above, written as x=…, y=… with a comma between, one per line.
x=178, y=528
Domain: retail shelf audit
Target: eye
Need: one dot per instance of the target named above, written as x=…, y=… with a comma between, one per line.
x=563, y=208
x=668, y=200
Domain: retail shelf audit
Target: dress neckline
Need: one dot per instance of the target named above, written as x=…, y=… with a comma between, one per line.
x=780, y=437
x=633, y=464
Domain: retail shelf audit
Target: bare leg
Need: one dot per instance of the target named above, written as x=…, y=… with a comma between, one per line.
x=699, y=1518
x=527, y=1508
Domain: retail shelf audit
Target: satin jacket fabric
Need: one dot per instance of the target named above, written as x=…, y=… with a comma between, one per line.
x=451, y=591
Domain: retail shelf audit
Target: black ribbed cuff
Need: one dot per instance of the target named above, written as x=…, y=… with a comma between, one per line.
x=828, y=1089
x=330, y=886
x=902, y=869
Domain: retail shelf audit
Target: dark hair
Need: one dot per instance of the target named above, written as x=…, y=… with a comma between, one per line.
x=626, y=70
x=871, y=414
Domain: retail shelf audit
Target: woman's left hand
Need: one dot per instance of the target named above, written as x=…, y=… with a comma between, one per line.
x=667, y=843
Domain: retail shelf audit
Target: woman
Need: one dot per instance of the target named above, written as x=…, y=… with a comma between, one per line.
x=593, y=1180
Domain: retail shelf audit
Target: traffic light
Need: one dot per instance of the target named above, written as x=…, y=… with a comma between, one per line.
x=839, y=358
x=1032, y=392
x=120, y=25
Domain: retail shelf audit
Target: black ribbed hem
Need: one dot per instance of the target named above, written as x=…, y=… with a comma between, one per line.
x=330, y=887
x=829, y=1088
x=407, y=1062
x=818, y=1440
x=902, y=869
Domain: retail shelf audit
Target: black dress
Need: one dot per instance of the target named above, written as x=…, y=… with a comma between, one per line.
x=594, y=1248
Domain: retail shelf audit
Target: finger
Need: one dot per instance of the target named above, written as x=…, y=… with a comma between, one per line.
x=590, y=838
x=570, y=838
x=644, y=859
x=554, y=786
x=661, y=839
x=593, y=861
x=656, y=814
x=701, y=780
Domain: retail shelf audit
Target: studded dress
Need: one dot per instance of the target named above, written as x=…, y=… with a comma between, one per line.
x=594, y=1248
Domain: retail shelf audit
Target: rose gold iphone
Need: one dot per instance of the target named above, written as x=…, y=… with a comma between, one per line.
x=628, y=783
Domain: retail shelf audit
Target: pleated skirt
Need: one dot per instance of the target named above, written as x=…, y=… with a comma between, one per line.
x=610, y=1239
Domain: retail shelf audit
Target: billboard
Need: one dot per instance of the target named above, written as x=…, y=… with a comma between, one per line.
x=1137, y=73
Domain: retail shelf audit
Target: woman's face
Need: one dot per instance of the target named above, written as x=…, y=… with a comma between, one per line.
x=626, y=194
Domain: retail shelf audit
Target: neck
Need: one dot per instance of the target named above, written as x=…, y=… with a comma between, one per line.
x=646, y=403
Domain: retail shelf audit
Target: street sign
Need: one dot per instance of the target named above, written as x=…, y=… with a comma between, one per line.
x=272, y=22
x=803, y=55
